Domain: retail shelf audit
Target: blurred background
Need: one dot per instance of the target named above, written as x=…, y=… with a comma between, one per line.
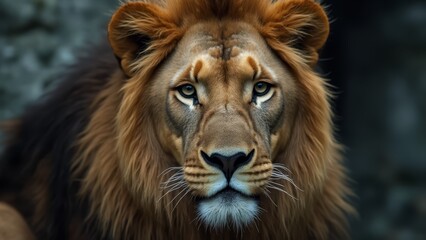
x=376, y=58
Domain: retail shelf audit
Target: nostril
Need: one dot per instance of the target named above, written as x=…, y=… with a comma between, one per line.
x=243, y=159
x=227, y=164
x=212, y=161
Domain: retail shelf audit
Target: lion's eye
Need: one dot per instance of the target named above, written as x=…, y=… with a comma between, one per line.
x=261, y=89
x=187, y=91
x=187, y=94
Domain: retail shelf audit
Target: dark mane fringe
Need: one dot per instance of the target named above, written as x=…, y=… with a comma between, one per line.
x=47, y=131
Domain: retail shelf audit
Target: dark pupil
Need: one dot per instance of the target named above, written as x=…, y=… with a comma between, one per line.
x=260, y=87
x=188, y=90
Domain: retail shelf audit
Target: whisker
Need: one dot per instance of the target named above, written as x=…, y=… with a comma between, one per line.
x=176, y=187
x=186, y=187
x=172, y=181
x=176, y=176
x=187, y=191
x=267, y=192
x=286, y=178
x=167, y=170
x=280, y=166
x=277, y=184
x=171, y=185
x=277, y=174
x=281, y=190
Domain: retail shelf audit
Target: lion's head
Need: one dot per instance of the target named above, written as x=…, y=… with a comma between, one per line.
x=228, y=100
x=221, y=117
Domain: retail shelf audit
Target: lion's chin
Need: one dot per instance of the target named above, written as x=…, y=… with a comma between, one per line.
x=228, y=207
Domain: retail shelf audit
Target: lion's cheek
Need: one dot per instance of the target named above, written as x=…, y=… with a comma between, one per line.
x=172, y=144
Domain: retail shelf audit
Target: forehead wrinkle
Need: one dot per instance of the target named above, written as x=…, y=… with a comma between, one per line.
x=217, y=49
x=221, y=39
x=244, y=67
x=224, y=48
x=195, y=70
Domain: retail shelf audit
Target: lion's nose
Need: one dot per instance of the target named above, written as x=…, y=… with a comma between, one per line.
x=228, y=164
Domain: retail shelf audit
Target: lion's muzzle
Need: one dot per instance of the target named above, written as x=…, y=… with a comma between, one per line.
x=227, y=167
x=227, y=164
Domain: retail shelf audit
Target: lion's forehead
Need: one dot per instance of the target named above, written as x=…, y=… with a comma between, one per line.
x=222, y=41
x=230, y=48
x=211, y=66
x=211, y=52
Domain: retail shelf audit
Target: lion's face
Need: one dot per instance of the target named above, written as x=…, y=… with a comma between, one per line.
x=227, y=99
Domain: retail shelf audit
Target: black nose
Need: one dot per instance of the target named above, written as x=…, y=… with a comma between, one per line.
x=228, y=164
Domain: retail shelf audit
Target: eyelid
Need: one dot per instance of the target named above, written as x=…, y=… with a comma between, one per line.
x=183, y=83
x=265, y=80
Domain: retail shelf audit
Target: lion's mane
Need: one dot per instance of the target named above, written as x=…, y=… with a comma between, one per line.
x=93, y=163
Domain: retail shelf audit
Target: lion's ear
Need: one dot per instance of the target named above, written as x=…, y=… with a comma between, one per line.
x=301, y=24
x=136, y=29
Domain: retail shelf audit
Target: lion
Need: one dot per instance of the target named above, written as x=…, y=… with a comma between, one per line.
x=212, y=125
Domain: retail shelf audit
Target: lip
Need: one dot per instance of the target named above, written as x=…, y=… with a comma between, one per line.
x=229, y=192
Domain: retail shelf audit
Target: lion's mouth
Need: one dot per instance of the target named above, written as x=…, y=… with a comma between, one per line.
x=228, y=206
x=230, y=193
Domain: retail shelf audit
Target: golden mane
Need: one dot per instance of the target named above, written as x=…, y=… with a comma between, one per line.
x=121, y=160
x=88, y=162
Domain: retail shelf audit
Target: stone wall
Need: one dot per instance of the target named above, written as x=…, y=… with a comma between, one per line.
x=378, y=60
x=40, y=37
